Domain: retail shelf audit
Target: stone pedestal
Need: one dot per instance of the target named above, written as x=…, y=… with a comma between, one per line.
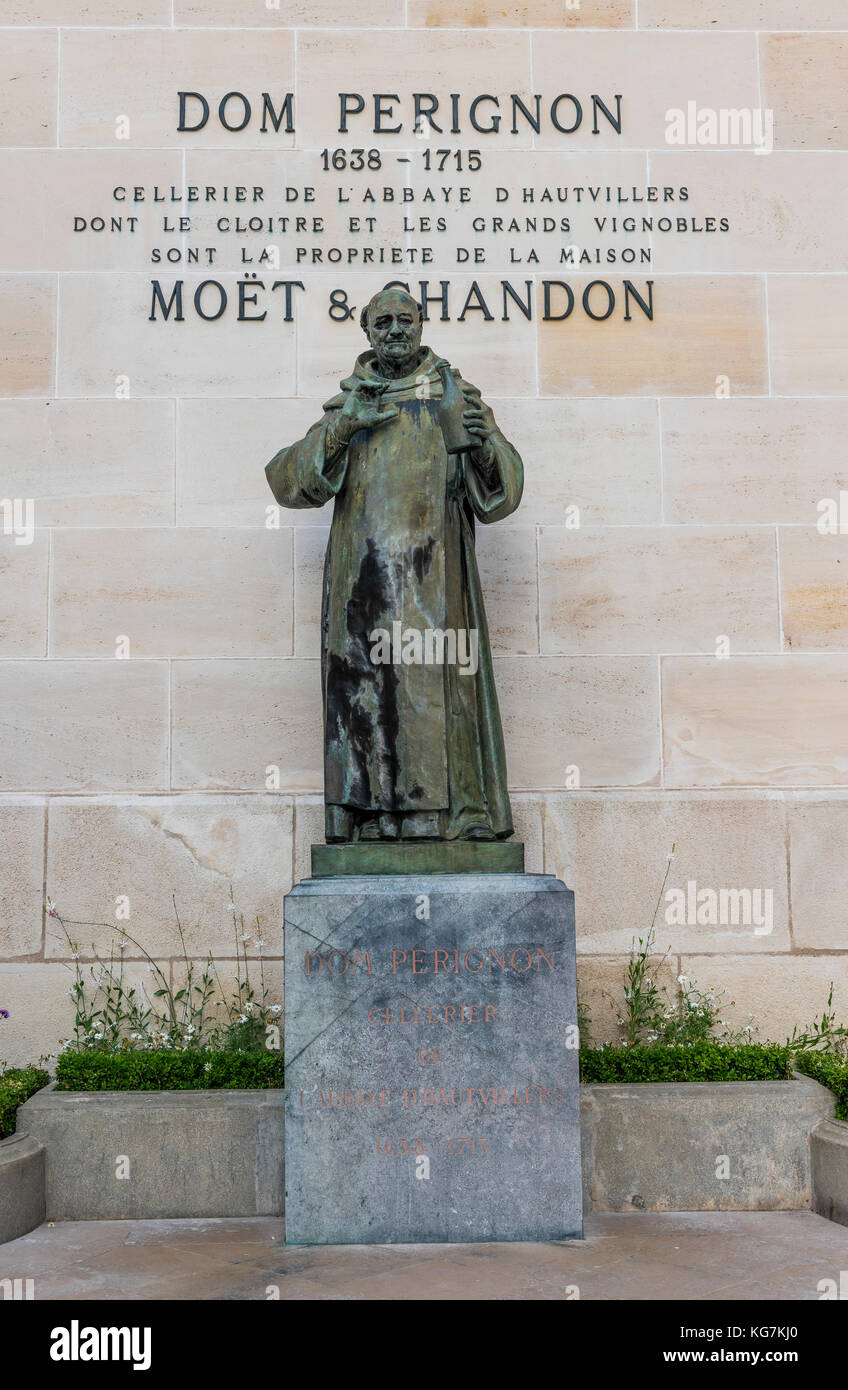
x=418, y=857
x=432, y=1059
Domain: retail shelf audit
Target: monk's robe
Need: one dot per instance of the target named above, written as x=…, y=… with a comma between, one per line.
x=420, y=744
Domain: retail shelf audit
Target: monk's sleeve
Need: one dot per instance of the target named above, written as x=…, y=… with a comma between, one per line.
x=494, y=476
x=309, y=473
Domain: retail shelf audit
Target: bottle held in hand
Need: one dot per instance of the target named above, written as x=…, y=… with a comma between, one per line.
x=451, y=407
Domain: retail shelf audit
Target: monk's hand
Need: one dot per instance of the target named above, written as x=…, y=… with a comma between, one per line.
x=363, y=410
x=477, y=419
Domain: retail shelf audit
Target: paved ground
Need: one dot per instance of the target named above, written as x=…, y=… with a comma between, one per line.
x=699, y=1255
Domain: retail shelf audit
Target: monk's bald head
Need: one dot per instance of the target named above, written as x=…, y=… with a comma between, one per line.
x=392, y=321
x=384, y=297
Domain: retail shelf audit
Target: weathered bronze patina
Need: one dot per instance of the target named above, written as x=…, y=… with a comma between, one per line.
x=413, y=747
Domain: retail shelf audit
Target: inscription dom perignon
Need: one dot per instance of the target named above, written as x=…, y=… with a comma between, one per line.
x=435, y=960
x=432, y=1059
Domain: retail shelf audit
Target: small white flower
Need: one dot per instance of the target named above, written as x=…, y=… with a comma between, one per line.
x=51, y=908
x=259, y=944
x=245, y=937
x=276, y=1008
x=231, y=907
x=242, y=1018
x=683, y=979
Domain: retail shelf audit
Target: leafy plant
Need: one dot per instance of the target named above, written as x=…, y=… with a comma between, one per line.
x=17, y=1084
x=110, y=1015
x=830, y=1071
x=641, y=991
x=823, y=1035
x=694, y=1015
x=584, y=1020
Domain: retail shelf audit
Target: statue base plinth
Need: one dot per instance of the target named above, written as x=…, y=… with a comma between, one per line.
x=418, y=857
x=432, y=1077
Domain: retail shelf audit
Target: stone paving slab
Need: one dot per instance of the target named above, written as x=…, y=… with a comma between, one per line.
x=625, y=1256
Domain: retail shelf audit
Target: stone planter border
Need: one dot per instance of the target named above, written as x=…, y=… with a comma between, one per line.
x=663, y=1146
x=21, y=1186
x=829, y=1146
x=652, y=1146
x=184, y=1153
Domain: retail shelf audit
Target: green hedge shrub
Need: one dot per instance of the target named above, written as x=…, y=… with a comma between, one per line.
x=700, y=1061
x=16, y=1086
x=165, y=1070
x=179, y=1071
x=831, y=1072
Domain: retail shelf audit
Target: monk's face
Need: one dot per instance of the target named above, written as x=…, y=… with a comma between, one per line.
x=394, y=332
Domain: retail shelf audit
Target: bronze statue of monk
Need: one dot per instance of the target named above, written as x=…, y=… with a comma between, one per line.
x=413, y=747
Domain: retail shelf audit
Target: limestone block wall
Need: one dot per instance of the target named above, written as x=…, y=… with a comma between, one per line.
x=672, y=670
